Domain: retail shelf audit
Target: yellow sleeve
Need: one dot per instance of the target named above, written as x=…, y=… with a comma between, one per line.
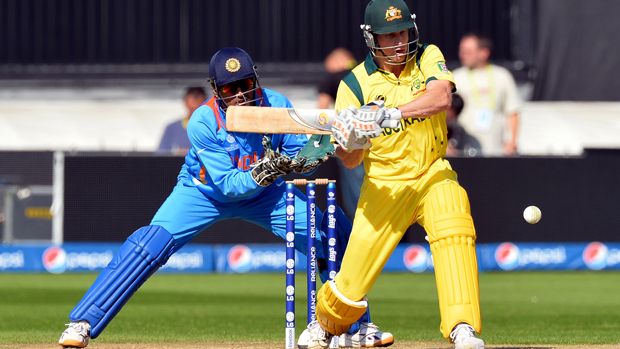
x=433, y=65
x=345, y=98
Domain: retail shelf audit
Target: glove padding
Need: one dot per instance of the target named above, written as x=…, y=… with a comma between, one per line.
x=344, y=132
x=371, y=118
x=318, y=149
x=271, y=166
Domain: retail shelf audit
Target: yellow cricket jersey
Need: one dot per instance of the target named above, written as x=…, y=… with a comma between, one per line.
x=408, y=151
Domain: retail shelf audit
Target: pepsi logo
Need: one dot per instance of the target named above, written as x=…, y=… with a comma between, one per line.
x=239, y=258
x=595, y=255
x=507, y=256
x=415, y=258
x=54, y=260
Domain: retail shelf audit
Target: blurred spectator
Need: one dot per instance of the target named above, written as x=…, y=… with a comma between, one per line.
x=337, y=65
x=492, y=103
x=460, y=143
x=174, y=139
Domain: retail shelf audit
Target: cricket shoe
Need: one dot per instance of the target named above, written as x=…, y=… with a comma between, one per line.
x=464, y=337
x=314, y=337
x=368, y=336
x=76, y=335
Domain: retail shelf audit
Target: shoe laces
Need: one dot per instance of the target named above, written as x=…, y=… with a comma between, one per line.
x=368, y=328
x=370, y=325
x=462, y=330
x=316, y=329
x=81, y=327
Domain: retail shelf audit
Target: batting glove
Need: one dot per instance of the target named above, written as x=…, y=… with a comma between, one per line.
x=345, y=133
x=371, y=118
x=391, y=118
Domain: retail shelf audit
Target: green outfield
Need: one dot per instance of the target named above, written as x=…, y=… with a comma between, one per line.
x=523, y=308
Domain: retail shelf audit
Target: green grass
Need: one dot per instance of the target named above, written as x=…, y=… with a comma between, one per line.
x=524, y=308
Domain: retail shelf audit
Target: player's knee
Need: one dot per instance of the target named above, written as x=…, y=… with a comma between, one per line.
x=448, y=213
x=335, y=312
x=153, y=242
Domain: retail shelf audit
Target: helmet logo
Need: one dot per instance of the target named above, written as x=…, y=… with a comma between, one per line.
x=392, y=13
x=232, y=65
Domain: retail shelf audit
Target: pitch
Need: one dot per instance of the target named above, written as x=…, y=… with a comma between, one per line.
x=520, y=310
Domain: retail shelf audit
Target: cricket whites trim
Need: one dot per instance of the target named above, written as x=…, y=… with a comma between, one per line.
x=279, y=120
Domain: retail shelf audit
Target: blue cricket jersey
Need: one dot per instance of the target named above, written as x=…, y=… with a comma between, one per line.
x=218, y=162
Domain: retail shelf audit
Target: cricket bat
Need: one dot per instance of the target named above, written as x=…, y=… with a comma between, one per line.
x=279, y=120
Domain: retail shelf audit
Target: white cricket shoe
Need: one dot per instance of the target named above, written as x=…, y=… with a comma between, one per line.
x=368, y=336
x=464, y=337
x=76, y=335
x=314, y=337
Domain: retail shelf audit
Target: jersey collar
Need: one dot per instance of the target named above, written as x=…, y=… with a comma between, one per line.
x=371, y=67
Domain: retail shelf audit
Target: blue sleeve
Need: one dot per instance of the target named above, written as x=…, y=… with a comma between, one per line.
x=231, y=181
x=292, y=144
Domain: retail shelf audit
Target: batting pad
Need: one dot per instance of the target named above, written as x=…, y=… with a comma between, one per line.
x=452, y=239
x=147, y=249
x=335, y=312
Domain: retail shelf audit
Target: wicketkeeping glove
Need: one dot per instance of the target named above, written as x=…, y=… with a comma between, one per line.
x=344, y=132
x=318, y=149
x=271, y=166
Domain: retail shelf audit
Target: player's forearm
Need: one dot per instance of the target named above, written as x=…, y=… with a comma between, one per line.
x=435, y=99
x=350, y=159
x=430, y=103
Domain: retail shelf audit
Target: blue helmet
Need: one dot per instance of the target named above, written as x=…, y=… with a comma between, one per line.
x=233, y=77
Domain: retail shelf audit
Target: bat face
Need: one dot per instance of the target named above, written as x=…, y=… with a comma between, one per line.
x=279, y=120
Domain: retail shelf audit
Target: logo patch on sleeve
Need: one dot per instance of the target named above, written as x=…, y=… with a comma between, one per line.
x=442, y=67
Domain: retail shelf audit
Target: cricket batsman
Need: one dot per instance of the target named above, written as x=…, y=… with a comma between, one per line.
x=392, y=117
x=225, y=175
